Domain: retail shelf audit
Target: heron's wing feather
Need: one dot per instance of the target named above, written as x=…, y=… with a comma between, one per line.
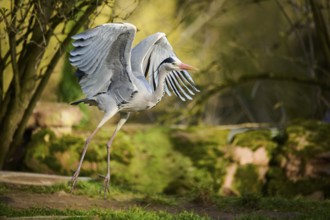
x=146, y=58
x=102, y=57
x=143, y=50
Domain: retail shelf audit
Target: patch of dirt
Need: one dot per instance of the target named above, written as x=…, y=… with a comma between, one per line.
x=59, y=200
x=62, y=200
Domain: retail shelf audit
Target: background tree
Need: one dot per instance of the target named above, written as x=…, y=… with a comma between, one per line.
x=34, y=35
x=262, y=61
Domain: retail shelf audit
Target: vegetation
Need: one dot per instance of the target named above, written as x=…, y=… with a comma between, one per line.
x=249, y=206
x=154, y=159
x=264, y=62
x=293, y=54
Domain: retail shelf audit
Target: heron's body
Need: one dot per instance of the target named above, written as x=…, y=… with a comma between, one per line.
x=119, y=79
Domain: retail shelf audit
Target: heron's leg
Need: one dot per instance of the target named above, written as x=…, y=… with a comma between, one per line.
x=105, y=118
x=124, y=116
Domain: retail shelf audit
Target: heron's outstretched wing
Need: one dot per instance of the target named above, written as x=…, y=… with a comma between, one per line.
x=149, y=54
x=102, y=57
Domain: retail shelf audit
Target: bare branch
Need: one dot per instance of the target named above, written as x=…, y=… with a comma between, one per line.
x=212, y=11
x=12, y=44
x=296, y=31
x=37, y=94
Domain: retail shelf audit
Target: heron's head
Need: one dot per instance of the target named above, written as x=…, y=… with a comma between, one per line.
x=173, y=63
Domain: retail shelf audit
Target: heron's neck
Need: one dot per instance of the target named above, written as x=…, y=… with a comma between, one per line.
x=160, y=89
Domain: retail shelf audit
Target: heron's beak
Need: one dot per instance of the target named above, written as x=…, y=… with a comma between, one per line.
x=184, y=66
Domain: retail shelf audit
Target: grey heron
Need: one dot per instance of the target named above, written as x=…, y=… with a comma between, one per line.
x=118, y=79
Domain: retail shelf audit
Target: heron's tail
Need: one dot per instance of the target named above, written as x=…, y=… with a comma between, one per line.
x=85, y=101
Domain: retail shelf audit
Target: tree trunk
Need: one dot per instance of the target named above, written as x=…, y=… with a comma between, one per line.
x=20, y=106
x=19, y=102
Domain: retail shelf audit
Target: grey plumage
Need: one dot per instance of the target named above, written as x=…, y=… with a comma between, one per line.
x=117, y=78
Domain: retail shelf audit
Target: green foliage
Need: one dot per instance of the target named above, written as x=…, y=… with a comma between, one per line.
x=68, y=87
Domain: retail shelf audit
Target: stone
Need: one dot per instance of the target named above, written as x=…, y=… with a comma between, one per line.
x=226, y=188
x=243, y=155
x=60, y=117
x=260, y=157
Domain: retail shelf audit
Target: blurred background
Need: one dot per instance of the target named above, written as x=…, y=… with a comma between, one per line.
x=262, y=113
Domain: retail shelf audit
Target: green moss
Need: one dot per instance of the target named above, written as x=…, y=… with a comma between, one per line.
x=308, y=138
x=38, y=151
x=280, y=185
x=206, y=148
x=48, y=154
x=154, y=159
x=256, y=139
x=154, y=164
x=247, y=181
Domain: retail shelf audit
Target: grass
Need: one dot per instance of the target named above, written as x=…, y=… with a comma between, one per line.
x=160, y=206
x=256, y=207
x=133, y=213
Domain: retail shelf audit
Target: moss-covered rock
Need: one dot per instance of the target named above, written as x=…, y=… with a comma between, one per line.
x=48, y=154
x=250, y=153
x=142, y=159
x=206, y=147
x=155, y=159
x=247, y=180
x=302, y=165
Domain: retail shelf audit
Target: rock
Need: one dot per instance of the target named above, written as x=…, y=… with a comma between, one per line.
x=302, y=165
x=318, y=166
x=227, y=188
x=243, y=155
x=60, y=117
x=260, y=157
x=36, y=179
x=178, y=160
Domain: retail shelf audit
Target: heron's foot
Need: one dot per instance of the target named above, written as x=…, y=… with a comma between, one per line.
x=74, y=179
x=106, y=185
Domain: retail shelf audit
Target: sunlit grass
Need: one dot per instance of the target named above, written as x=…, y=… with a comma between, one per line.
x=133, y=213
x=247, y=206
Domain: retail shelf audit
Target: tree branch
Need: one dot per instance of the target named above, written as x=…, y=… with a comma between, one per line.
x=321, y=29
x=38, y=92
x=12, y=45
x=263, y=76
x=213, y=9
